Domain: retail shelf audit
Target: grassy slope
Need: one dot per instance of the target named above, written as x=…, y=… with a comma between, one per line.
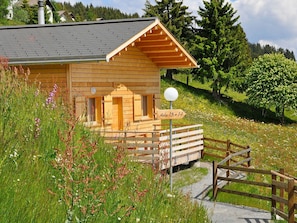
x=35, y=138
x=273, y=145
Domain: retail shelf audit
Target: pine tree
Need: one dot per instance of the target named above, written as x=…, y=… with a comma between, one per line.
x=218, y=44
x=173, y=14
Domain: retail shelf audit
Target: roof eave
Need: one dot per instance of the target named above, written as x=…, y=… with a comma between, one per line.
x=192, y=62
x=131, y=41
x=34, y=61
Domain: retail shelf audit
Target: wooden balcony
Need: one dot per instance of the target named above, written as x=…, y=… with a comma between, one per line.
x=153, y=147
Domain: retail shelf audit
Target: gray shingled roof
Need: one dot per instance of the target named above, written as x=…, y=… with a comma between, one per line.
x=66, y=43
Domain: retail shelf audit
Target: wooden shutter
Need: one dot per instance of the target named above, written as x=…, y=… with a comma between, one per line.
x=150, y=105
x=99, y=109
x=80, y=108
x=107, y=110
x=137, y=107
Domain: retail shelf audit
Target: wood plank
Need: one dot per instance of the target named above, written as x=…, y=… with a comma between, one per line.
x=215, y=140
x=279, y=184
x=136, y=145
x=188, y=145
x=181, y=135
x=243, y=169
x=188, y=139
x=187, y=151
x=185, y=159
x=263, y=184
x=142, y=152
x=279, y=199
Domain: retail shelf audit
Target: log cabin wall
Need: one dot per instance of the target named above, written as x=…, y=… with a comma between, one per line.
x=119, y=86
x=46, y=76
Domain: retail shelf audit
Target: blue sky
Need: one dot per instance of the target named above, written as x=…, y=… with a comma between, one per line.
x=264, y=21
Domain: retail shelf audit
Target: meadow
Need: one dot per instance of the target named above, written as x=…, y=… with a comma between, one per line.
x=52, y=169
x=274, y=146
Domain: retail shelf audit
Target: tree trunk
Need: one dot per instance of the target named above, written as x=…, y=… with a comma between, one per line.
x=169, y=74
x=283, y=115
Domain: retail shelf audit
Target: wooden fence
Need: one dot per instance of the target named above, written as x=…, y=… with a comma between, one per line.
x=236, y=159
x=231, y=153
x=283, y=196
x=154, y=147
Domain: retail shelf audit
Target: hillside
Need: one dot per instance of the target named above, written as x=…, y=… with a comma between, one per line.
x=53, y=169
x=273, y=145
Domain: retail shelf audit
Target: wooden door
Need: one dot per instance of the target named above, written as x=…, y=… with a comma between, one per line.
x=117, y=113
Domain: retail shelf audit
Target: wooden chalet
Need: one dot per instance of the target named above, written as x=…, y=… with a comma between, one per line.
x=109, y=70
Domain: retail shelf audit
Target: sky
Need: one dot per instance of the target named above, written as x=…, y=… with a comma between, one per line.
x=272, y=22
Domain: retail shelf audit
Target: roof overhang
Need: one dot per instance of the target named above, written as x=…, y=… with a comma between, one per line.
x=160, y=46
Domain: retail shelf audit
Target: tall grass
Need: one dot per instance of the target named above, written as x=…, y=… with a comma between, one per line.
x=52, y=169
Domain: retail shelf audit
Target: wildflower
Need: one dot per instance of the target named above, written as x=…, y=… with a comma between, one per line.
x=37, y=92
x=14, y=154
x=37, y=127
x=50, y=99
x=59, y=158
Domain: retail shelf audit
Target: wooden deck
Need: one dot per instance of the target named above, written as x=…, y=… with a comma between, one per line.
x=154, y=147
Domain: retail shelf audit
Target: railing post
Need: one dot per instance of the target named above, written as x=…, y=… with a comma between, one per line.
x=273, y=193
x=229, y=160
x=214, y=179
x=249, y=156
x=281, y=192
x=153, y=150
x=291, y=202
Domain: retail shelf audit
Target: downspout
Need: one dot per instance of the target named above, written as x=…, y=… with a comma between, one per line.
x=40, y=12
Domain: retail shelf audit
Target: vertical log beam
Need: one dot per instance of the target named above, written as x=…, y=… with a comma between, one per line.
x=214, y=179
x=291, y=202
x=273, y=192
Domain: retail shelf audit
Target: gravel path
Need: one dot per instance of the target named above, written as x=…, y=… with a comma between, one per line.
x=222, y=212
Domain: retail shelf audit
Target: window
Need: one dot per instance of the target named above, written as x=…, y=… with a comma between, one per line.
x=91, y=110
x=143, y=107
x=94, y=110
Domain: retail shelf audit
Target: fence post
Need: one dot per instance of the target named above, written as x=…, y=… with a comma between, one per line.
x=249, y=156
x=291, y=202
x=273, y=193
x=281, y=192
x=214, y=179
x=229, y=160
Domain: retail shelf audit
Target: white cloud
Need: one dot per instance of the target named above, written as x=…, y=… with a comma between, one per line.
x=270, y=21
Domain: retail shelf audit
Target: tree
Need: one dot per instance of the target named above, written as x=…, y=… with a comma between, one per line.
x=20, y=14
x=3, y=8
x=272, y=83
x=218, y=45
x=173, y=14
x=257, y=49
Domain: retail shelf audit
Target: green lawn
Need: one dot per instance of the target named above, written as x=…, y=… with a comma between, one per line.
x=273, y=145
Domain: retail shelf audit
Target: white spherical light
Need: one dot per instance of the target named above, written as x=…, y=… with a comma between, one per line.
x=170, y=94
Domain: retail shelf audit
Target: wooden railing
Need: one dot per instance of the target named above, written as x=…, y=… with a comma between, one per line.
x=228, y=152
x=154, y=147
x=283, y=187
x=284, y=196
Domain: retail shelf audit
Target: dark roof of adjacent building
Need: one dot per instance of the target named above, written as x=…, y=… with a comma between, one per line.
x=92, y=41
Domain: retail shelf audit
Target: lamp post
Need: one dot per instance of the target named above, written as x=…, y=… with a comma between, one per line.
x=170, y=95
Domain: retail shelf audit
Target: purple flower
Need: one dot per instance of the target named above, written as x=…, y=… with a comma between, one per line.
x=50, y=99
